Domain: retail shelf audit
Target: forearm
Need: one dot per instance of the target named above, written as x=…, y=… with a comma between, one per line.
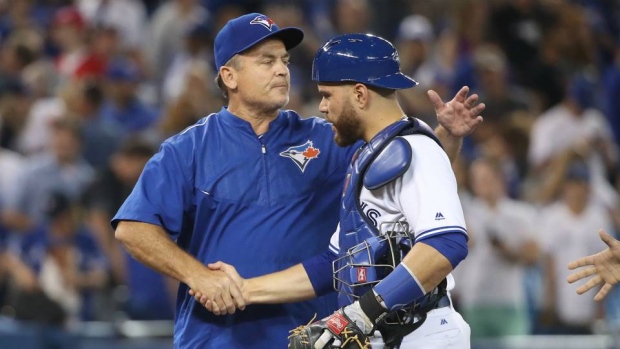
x=549, y=285
x=99, y=222
x=286, y=286
x=428, y=265
x=529, y=253
x=422, y=269
x=451, y=144
x=16, y=220
x=150, y=245
x=554, y=178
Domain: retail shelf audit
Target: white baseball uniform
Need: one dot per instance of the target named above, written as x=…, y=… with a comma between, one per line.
x=426, y=198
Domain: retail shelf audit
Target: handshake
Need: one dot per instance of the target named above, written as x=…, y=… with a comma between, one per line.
x=222, y=291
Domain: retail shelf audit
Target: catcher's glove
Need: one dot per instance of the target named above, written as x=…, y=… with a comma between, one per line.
x=334, y=331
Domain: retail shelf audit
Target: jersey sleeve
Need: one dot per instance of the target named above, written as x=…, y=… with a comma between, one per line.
x=427, y=192
x=163, y=194
x=334, y=245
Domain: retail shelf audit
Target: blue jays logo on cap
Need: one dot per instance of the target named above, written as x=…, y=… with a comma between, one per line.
x=264, y=21
x=242, y=33
x=301, y=154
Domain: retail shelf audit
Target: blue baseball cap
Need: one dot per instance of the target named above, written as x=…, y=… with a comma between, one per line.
x=243, y=32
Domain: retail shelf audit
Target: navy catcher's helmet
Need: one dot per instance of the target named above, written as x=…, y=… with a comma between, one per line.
x=362, y=58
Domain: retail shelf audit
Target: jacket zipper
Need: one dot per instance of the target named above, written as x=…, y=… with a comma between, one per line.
x=266, y=172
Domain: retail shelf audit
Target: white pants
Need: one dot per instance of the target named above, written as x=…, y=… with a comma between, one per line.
x=443, y=328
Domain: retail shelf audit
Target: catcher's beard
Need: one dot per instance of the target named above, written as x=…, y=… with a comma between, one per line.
x=348, y=126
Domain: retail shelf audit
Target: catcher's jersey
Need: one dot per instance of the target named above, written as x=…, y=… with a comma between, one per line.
x=425, y=196
x=261, y=204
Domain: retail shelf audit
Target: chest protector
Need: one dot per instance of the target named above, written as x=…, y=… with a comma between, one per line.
x=367, y=255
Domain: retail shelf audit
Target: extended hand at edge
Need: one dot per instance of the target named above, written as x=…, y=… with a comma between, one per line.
x=605, y=266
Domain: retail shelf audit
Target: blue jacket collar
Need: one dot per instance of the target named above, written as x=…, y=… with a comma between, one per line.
x=235, y=121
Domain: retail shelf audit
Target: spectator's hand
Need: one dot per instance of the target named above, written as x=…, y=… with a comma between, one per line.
x=461, y=115
x=221, y=294
x=605, y=266
x=237, y=284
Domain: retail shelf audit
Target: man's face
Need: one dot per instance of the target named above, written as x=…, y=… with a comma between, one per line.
x=485, y=182
x=339, y=110
x=576, y=193
x=263, y=79
x=66, y=145
x=128, y=168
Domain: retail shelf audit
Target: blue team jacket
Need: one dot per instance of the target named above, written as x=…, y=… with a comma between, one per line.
x=261, y=204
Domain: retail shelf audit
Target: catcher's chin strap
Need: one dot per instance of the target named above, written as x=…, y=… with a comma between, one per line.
x=393, y=329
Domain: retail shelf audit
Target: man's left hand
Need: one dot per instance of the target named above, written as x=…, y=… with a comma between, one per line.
x=461, y=115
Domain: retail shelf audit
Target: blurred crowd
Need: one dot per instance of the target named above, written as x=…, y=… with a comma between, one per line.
x=90, y=88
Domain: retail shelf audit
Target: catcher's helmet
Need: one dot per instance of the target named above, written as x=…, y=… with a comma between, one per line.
x=362, y=58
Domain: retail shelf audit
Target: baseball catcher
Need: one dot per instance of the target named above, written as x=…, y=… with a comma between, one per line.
x=401, y=224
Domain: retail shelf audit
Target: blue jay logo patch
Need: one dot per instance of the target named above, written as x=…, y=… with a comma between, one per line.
x=264, y=21
x=301, y=154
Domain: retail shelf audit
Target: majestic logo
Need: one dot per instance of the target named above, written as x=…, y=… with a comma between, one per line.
x=264, y=21
x=439, y=216
x=301, y=154
x=361, y=275
x=444, y=322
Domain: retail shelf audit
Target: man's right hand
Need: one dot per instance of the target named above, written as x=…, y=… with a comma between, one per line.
x=221, y=294
x=237, y=286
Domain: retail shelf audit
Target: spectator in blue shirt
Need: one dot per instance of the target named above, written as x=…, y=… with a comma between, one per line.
x=124, y=106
